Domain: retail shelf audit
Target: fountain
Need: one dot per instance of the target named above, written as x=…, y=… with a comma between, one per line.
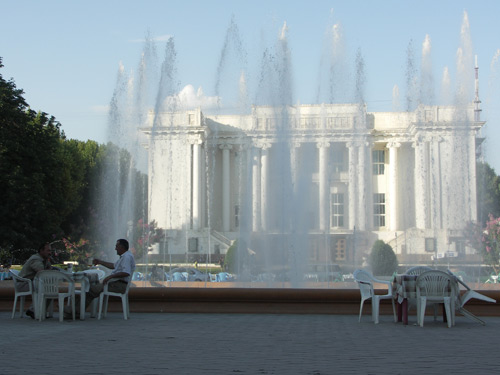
x=299, y=186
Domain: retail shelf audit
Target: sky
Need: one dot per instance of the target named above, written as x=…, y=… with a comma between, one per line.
x=65, y=55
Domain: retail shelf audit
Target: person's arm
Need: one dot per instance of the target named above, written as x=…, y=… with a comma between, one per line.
x=105, y=264
x=37, y=265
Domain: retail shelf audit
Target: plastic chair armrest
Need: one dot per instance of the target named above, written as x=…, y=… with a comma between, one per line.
x=111, y=281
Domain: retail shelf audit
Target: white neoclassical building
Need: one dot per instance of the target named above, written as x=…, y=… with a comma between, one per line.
x=339, y=175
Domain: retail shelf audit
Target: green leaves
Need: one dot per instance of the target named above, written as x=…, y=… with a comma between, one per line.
x=49, y=185
x=383, y=260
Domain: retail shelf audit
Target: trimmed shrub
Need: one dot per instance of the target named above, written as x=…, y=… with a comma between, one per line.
x=383, y=260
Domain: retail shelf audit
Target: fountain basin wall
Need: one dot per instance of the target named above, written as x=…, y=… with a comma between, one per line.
x=252, y=301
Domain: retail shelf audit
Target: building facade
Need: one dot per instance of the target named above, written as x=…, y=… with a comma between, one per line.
x=340, y=176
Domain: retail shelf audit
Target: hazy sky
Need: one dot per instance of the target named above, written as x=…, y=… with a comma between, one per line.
x=65, y=54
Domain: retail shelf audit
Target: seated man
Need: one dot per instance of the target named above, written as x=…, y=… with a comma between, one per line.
x=123, y=269
x=36, y=263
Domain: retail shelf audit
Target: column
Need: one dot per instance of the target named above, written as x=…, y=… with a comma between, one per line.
x=203, y=187
x=437, y=213
x=323, y=182
x=393, y=185
x=362, y=212
x=226, y=187
x=264, y=178
x=420, y=184
x=195, y=197
x=352, y=188
x=294, y=164
x=256, y=224
x=472, y=176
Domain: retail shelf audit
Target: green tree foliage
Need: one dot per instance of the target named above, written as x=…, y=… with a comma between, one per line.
x=145, y=235
x=485, y=240
x=240, y=260
x=230, y=260
x=35, y=172
x=382, y=259
x=488, y=193
x=50, y=186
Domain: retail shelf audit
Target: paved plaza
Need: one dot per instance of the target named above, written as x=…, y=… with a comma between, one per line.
x=246, y=344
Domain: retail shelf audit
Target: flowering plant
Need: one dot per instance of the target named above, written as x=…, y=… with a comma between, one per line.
x=146, y=235
x=79, y=251
x=486, y=240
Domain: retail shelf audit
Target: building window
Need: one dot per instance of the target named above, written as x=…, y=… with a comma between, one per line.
x=430, y=245
x=337, y=212
x=237, y=216
x=429, y=115
x=378, y=160
x=193, y=245
x=163, y=247
x=338, y=161
x=379, y=210
x=339, y=249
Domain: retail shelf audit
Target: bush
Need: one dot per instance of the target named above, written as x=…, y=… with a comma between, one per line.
x=382, y=260
x=230, y=260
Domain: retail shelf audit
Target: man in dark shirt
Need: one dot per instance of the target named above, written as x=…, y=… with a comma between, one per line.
x=36, y=263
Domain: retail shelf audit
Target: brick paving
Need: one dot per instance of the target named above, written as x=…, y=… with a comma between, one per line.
x=246, y=344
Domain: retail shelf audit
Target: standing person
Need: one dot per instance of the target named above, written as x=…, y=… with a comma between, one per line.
x=123, y=269
x=36, y=263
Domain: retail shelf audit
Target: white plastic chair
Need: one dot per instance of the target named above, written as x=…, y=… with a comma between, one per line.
x=103, y=300
x=462, y=299
x=222, y=277
x=48, y=285
x=18, y=293
x=179, y=276
x=417, y=270
x=436, y=287
x=365, y=282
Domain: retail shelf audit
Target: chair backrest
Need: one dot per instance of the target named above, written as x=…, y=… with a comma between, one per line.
x=222, y=276
x=20, y=281
x=49, y=281
x=364, y=279
x=363, y=276
x=137, y=276
x=435, y=284
x=178, y=276
x=417, y=270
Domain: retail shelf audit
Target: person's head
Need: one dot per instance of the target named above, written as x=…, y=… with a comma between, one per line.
x=44, y=250
x=121, y=246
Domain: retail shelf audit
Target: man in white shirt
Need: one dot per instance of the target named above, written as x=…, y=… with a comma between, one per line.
x=123, y=270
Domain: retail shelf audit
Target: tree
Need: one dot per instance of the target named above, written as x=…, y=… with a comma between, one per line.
x=488, y=193
x=32, y=187
x=485, y=240
x=145, y=236
x=382, y=259
x=51, y=187
x=230, y=260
